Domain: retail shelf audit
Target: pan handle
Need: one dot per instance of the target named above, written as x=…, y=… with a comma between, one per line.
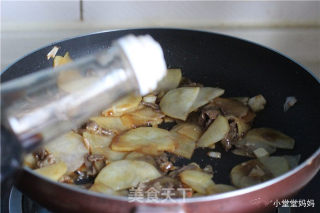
x=158, y=209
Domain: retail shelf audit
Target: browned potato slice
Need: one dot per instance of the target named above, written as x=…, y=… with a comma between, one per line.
x=185, y=145
x=125, y=105
x=170, y=81
x=142, y=117
x=231, y=107
x=205, y=95
x=199, y=181
x=68, y=148
x=124, y=174
x=190, y=130
x=178, y=102
x=216, y=132
x=148, y=140
x=115, y=124
x=242, y=126
x=54, y=171
x=100, y=145
x=249, y=173
x=271, y=137
x=276, y=165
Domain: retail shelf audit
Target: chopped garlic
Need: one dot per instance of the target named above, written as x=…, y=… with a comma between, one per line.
x=290, y=102
x=214, y=154
x=257, y=103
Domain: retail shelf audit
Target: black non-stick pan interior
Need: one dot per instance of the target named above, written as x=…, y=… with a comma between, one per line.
x=240, y=67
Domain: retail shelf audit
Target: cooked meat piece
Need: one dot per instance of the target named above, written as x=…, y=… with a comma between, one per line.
x=96, y=129
x=95, y=157
x=208, y=169
x=93, y=163
x=232, y=136
x=161, y=186
x=208, y=115
x=163, y=163
x=151, y=105
x=43, y=158
x=230, y=106
x=176, y=172
x=186, y=82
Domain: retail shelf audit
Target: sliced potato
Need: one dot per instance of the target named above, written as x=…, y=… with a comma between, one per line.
x=115, y=124
x=199, y=181
x=249, y=173
x=178, y=102
x=293, y=160
x=100, y=145
x=271, y=137
x=276, y=165
x=170, y=81
x=125, y=105
x=53, y=171
x=216, y=132
x=141, y=156
x=142, y=117
x=99, y=187
x=231, y=107
x=205, y=95
x=124, y=174
x=148, y=140
x=68, y=148
x=185, y=145
x=190, y=130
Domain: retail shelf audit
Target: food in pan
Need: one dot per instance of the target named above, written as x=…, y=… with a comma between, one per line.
x=134, y=144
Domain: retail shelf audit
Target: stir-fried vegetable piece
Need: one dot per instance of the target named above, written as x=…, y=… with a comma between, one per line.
x=147, y=140
x=124, y=174
x=199, y=181
x=170, y=81
x=178, y=102
x=205, y=95
x=142, y=117
x=190, y=130
x=216, y=132
x=68, y=148
x=185, y=145
x=113, y=124
x=100, y=145
x=126, y=104
x=54, y=171
x=270, y=137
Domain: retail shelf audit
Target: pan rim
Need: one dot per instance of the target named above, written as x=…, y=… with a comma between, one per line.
x=230, y=194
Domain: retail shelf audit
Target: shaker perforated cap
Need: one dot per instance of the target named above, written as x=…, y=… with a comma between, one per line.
x=146, y=58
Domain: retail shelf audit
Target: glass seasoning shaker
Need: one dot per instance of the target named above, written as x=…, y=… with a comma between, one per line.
x=41, y=106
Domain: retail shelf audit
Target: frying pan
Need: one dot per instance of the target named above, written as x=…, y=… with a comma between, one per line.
x=240, y=67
